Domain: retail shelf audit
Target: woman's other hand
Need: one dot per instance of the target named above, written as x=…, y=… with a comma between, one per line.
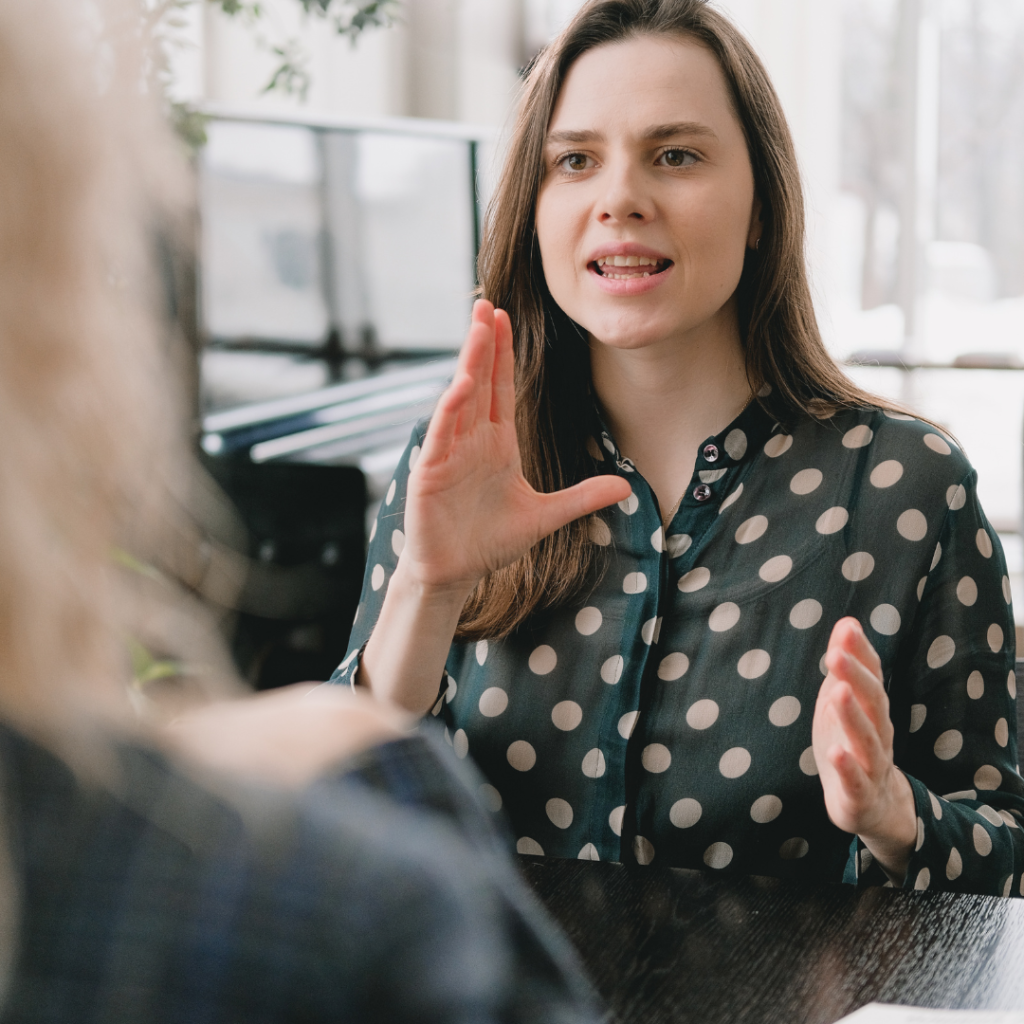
x=469, y=509
x=865, y=792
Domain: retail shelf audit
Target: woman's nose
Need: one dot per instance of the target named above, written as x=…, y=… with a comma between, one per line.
x=624, y=198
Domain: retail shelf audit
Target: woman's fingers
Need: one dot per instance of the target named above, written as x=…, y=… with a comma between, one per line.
x=580, y=500
x=848, y=635
x=861, y=735
x=857, y=788
x=477, y=359
x=503, y=392
x=444, y=424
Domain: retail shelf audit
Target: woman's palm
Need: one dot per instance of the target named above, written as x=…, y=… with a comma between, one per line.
x=469, y=509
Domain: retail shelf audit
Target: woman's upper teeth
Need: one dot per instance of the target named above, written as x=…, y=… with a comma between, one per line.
x=628, y=261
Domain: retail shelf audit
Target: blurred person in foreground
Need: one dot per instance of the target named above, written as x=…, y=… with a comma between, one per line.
x=227, y=868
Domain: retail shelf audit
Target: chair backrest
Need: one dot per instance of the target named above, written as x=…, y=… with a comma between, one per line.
x=306, y=546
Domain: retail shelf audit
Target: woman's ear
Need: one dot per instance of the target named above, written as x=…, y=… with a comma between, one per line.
x=756, y=225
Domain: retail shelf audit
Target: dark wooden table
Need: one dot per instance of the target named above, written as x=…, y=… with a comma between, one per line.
x=682, y=946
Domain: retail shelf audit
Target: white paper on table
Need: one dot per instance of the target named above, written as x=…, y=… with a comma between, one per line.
x=883, y=1013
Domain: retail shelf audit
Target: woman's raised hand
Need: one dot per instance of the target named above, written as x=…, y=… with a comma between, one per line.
x=469, y=509
x=865, y=792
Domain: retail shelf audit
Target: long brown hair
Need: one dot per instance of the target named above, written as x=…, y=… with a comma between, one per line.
x=787, y=364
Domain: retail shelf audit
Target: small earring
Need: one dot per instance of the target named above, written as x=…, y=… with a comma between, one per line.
x=757, y=245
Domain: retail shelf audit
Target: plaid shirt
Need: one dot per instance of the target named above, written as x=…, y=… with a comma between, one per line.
x=382, y=893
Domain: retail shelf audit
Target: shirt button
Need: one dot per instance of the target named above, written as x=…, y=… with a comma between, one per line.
x=711, y=452
x=702, y=492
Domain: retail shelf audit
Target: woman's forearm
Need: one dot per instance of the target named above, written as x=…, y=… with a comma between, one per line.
x=405, y=656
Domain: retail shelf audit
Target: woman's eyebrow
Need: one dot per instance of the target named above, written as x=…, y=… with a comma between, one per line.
x=655, y=133
x=668, y=131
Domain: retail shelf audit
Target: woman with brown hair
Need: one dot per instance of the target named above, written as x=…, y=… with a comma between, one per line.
x=785, y=645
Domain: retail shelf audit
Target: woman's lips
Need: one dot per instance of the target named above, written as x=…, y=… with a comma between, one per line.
x=627, y=268
x=629, y=275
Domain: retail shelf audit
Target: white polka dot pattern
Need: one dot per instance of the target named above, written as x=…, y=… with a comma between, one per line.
x=937, y=444
x=634, y=583
x=594, y=763
x=493, y=702
x=858, y=436
x=588, y=621
x=751, y=529
x=588, y=852
x=805, y=614
x=776, y=569
x=615, y=819
x=559, y=812
x=754, y=664
x=806, y=481
x=967, y=592
x=685, y=813
x=724, y=617
x=734, y=762
x=765, y=809
x=858, y=566
x=627, y=723
x=956, y=497
x=718, y=856
x=599, y=531
x=941, y=651
x=912, y=525
x=785, y=711
x=832, y=520
x=566, y=715
x=702, y=715
x=778, y=445
x=678, y=544
x=656, y=758
x=521, y=756
x=694, y=580
x=543, y=660
x=673, y=667
x=736, y=444
x=975, y=685
x=611, y=670
x=643, y=850
x=529, y=846
x=885, y=619
x=885, y=474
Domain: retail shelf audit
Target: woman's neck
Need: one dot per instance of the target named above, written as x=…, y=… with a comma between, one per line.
x=663, y=400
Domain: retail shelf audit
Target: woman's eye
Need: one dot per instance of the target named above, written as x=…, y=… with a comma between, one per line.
x=678, y=158
x=574, y=162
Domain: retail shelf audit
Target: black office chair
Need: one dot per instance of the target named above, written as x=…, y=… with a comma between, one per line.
x=306, y=545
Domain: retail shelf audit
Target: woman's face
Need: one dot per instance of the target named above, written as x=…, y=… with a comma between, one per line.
x=647, y=202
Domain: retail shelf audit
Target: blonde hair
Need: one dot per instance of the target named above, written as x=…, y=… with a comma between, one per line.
x=91, y=415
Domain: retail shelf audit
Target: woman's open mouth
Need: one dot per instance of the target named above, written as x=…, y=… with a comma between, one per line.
x=629, y=268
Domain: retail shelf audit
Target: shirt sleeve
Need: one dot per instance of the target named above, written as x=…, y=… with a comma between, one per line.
x=953, y=704
x=387, y=537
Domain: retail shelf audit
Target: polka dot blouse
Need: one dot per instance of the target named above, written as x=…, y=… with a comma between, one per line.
x=665, y=717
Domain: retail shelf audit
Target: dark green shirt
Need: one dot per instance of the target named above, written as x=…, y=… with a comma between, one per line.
x=665, y=715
